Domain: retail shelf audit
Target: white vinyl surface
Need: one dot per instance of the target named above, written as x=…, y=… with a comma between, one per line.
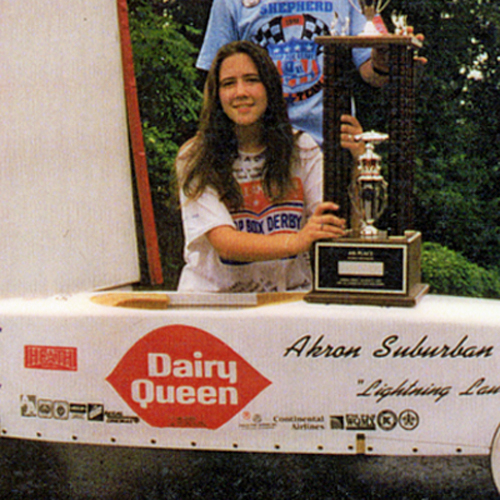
x=66, y=212
x=292, y=377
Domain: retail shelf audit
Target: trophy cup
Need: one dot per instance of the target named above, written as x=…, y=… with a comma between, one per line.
x=368, y=191
x=370, y=266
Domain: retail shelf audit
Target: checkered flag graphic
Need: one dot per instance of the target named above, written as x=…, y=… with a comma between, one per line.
x=274, y=33
x=270, y=33
x=314, y=27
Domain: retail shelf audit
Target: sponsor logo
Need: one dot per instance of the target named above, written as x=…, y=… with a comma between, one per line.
x=117, y=417
x=408, y=420
x=181, y=376
x=60, y=410
x=77, y=411
x=50, y=358
x=300, y=423
x=360, y=422
x=255, y=422
x=28, y=406
x=386, y=420
x=44, y=408
x=95, y=412
x=337, y=422
x=34, y=407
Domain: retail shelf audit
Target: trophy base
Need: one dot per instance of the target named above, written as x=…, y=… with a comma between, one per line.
x=368, y=271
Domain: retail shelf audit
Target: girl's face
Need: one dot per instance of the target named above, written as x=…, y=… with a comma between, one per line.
x=242, y=94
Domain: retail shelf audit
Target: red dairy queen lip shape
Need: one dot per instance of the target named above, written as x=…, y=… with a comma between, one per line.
x=181, y=376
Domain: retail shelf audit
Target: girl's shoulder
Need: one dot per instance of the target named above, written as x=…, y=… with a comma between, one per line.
x=185, y=156
x=305, y=142
x=186, y=150
x=307, y=147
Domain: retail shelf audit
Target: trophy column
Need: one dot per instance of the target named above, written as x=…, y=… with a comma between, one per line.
x=338, y=161
x=402, y=133
x=382, y=269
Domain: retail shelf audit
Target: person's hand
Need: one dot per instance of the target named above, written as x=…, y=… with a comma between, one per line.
x=321, y=225
x=420, y=37
x=349, y=129
x=380, y=55
x=380, y=61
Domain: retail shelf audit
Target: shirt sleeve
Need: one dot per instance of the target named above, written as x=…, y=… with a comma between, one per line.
x=222, y=28
x=311, y=173
x=201, y=215
x=357, y=25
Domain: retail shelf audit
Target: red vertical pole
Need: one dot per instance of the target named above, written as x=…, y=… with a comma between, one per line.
x=138, y=150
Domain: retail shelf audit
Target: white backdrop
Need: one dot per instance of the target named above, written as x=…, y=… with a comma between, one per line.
x=66, y=209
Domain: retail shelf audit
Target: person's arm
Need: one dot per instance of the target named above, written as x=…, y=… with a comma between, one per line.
x=239, y=246
x=375, y=71
x=222, y=28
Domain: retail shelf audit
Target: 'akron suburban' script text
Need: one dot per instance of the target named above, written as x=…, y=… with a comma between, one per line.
x=391, y=347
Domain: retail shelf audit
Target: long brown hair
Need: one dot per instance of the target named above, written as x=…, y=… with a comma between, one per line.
x=209, y=159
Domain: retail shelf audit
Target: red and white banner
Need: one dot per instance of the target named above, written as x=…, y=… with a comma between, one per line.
x=292, y=377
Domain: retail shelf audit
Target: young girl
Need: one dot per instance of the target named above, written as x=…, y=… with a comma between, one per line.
x=250, y=186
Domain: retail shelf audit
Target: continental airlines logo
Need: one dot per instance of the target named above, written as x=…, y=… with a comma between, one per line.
x=181, y=376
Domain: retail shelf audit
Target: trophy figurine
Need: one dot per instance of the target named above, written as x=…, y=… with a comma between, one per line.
x=400, y=24
x=368, y=191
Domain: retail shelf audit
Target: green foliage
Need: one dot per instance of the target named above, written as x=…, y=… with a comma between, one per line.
x=167, y=85
x=450, y=273
x=458, y=125
x=192, y=13
x=170, y=101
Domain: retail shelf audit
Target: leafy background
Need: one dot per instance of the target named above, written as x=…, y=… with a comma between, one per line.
x=457, y=194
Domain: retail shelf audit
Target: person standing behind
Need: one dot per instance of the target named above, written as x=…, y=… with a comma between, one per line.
x=250, y=185
x=287, y=29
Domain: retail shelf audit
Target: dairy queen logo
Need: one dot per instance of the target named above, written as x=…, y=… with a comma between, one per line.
x=181, y=376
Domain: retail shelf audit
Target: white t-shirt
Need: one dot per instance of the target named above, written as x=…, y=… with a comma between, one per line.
x=205, y=271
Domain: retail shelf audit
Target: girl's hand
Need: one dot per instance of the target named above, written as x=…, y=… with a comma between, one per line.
x=321, y=225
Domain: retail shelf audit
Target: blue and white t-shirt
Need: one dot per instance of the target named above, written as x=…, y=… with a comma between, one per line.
x=287, y=29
